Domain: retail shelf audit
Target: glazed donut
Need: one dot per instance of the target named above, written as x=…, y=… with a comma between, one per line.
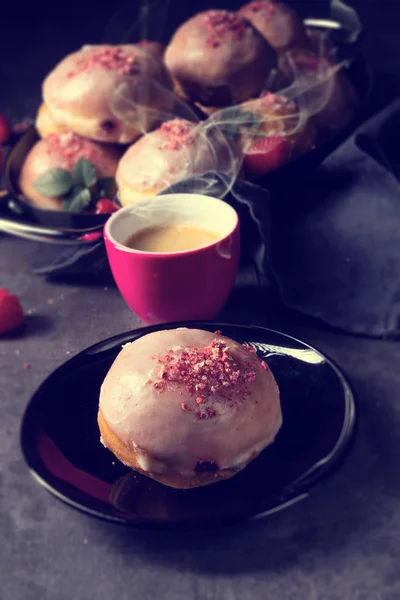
x=187, y=407
x=219, y=59
x=62, y=150
x=277, y=23
x=281, y=118
x=176, y=150
x=324, y=90
x=108, y=93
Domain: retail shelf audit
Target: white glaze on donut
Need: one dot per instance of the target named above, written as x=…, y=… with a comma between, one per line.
x=219, y=59
x=277, y=23
x=99, y=92
x=165, y=423
x=63, y=150
x=176, y=150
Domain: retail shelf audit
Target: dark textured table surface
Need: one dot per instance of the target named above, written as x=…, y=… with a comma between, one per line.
x=340, y=543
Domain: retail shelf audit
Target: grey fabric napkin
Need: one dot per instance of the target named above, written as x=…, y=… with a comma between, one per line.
x=336, y=252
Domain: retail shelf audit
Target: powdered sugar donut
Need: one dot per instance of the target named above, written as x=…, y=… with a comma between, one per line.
x=188, y=407
x=82, y=92
x=219, y=59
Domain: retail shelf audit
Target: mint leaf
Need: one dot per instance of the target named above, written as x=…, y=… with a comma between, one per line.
x=77, y=200
x=84, y=173
x=55, y=182
x=107, y=187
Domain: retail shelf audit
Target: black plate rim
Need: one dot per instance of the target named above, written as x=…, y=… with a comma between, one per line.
x=301, y=487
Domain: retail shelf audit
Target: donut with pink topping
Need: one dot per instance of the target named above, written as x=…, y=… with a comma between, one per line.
x=187, y=407
x=277, y=118
x=323, y=87
x=176, y=150
x=63, y=150
x=219, y=59
x=277, y=23
x=81, y=92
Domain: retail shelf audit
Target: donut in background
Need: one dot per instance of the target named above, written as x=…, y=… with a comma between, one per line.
x=63, y=150
x=281, y=26
x=323, y=88
x=219, y=59
x=176, y=150
x=81, y=92
x=271, y=130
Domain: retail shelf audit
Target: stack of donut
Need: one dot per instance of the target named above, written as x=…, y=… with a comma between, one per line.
x=116, y=99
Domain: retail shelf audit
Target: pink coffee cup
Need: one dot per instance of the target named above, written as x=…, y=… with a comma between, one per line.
x=175, y=286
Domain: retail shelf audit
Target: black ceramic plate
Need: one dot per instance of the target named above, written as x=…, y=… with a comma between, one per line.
x=60, y=439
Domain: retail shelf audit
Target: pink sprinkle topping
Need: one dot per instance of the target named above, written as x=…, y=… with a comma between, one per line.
x=266, y=7
x=206, y=372
x=274, y=103
x=109, y=58
x=177, y=133
x=222, y=25
x=70, y=147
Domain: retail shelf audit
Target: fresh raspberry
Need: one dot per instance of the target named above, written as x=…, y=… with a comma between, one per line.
x=5, y=130
x=11, y=313
x=105, y=206
x=266, y=154
x=93, y=236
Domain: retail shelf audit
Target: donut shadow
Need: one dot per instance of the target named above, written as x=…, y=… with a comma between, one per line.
x=346, y=507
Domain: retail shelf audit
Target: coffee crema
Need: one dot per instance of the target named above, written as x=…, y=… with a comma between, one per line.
x=175, y=237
